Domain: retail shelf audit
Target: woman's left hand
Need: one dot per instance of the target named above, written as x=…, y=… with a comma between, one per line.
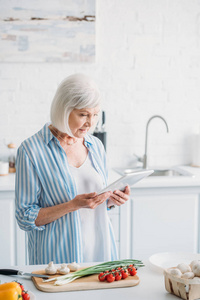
x=118, y=197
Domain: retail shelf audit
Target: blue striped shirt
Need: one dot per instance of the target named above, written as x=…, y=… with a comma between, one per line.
x=43, y=179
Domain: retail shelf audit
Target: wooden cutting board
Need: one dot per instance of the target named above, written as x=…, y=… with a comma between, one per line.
x=85, y=283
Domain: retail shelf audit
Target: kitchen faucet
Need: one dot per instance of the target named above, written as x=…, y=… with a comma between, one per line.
x=146, y=138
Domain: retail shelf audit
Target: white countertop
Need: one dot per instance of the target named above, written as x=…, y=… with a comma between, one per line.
x=151, y=287
x=165, y=181
x=7, y=183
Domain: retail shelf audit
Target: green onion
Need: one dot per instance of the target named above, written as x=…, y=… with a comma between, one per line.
x=96, y=269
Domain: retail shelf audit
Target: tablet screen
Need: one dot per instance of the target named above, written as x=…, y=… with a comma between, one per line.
x=128, y=179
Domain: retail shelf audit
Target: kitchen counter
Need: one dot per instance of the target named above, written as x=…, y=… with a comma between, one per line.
x=151, y=287
x=165, y=181
x=7, y=183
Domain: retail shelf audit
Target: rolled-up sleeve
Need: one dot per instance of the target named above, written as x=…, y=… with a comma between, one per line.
x=27, y=192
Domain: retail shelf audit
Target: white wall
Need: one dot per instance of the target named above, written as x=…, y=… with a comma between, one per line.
x=147, y=62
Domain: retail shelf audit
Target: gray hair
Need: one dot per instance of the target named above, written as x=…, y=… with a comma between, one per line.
x=77, y=91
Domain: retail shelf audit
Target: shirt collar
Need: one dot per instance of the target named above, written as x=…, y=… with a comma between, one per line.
x=46, y=133
x=88, y=140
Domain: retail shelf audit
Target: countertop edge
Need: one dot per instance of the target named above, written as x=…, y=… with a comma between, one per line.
x=7, y=183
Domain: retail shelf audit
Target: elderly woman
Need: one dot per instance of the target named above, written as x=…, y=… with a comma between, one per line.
x=60, y=169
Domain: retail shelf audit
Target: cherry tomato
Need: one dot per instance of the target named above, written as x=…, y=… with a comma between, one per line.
x=102, y=276
x=124, y=274
x=133, y=271
x=118, y=276
x=110, y=278
x=21, y=286
x=25, y=296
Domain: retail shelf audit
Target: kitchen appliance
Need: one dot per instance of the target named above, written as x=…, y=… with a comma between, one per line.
x=100, y=129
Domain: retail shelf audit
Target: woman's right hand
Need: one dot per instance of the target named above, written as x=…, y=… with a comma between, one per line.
x=91, y=200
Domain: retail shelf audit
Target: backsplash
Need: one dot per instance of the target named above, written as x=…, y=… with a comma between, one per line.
x=147, y=63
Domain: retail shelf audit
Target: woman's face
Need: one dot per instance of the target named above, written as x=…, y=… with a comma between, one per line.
x=81, y=120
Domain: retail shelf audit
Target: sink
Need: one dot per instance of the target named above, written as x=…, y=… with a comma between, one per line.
x=171, y=172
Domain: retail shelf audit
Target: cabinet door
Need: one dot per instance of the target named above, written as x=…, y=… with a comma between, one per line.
x=7, y=233
x=164, y=223
x=114, y=218
x=12, y=246
x=21, y=248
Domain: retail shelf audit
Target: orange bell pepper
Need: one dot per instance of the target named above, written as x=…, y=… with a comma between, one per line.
x=10, y=291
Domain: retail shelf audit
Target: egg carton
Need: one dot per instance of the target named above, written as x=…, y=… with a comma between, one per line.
x=188, y=289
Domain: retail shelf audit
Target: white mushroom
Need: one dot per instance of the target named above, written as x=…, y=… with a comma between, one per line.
x=73, y=266
x=188, y=275
x=194, y=262
x=184, y=268
x=175, y=272
x=63, y=269
x=196, y=269
x=196, y=280
x=51, y=269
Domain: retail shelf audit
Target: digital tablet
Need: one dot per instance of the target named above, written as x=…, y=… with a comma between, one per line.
x=128, y=179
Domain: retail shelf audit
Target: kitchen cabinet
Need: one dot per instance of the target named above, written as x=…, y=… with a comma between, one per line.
x=13, y=239
x=161, y=216
x=164, y=223
x=114, y=218
x=7, y=245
